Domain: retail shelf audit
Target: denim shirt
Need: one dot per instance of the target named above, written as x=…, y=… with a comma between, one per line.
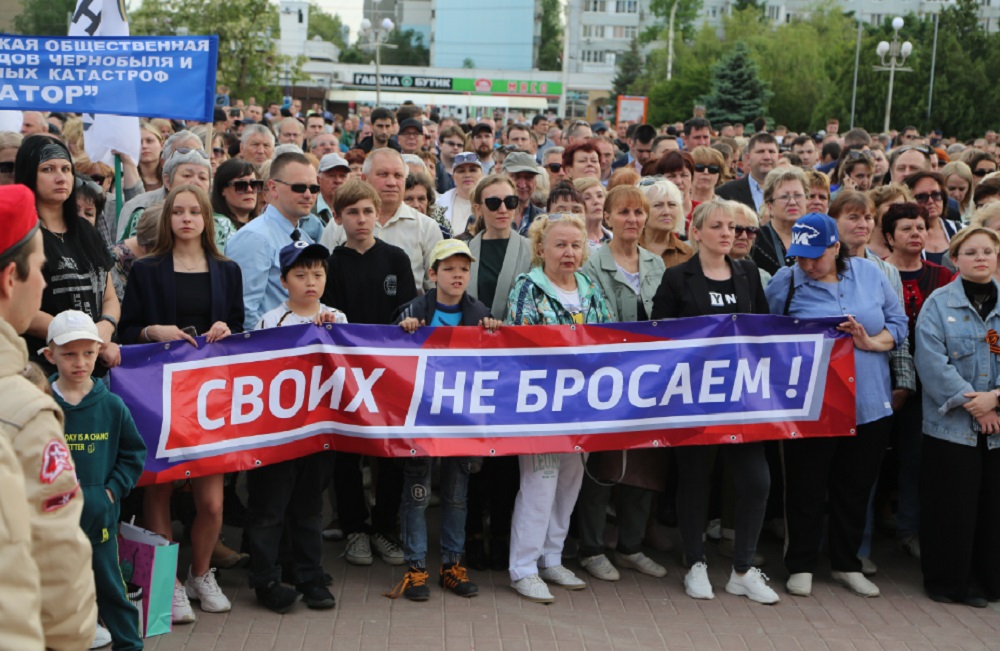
x=953, y=359
x=864, y=292
x=255, y=247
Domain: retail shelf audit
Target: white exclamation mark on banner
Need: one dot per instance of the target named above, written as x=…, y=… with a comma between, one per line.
x=793, y=377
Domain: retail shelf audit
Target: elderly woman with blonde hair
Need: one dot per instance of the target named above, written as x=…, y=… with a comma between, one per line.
x=665, y=224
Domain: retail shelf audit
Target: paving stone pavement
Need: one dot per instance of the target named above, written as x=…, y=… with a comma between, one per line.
x=636, y=613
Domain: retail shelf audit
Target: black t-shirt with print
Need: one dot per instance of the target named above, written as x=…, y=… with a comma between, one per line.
x=721, y=296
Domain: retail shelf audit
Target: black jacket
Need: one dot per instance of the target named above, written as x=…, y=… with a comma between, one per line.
x=151, y=295
x=684, y=290
x=738, y=190
x=422, y=309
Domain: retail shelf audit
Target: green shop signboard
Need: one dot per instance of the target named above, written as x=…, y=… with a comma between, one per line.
x=462, y=85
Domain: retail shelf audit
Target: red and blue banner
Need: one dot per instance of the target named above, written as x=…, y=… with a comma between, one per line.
x=271, y=395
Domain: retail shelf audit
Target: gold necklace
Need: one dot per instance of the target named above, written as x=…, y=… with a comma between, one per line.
x=186, y=267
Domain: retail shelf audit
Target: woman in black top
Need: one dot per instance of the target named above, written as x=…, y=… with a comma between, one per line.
x=713, y=283
x=186, y=287
x=78, y=265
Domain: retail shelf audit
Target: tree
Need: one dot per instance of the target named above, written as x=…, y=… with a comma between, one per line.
x=468, y=63
x=738, y=93
x=410, y=49
x=327, y=26
x=686, y=14
x=249, y=62
x=49, y=18
x=550, y=50
x=629, y=68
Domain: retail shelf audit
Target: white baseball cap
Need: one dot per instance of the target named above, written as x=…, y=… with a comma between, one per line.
x=72, y=325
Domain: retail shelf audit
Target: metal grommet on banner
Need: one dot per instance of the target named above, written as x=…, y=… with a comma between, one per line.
x=732, y=437
x=246, y=335
x=413, y=452
x=256, y=462
x=166, y=346
x=656, y=443
x=794, y=434
x=187, y=473
x=796, y=321
x=493, y=453
x=734, y=317
x=329, y=327
x=854, y=431
x=577, y=448
x=850, y=379
x=572, y=327
x=326, y=446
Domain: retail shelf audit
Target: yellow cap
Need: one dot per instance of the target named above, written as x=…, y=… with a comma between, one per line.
x=447, y=248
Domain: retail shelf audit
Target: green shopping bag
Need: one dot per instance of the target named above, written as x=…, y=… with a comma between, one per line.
x=149, y=566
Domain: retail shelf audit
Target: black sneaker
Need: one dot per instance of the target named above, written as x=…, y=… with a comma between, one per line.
x=456, y=579
x=277, y=597
x=413, y=586
x=316, y=595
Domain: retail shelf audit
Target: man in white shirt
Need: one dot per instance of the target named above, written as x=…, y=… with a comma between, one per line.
x=398, y=224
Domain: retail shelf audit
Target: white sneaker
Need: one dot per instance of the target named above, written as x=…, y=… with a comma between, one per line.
x=868, y=566
x=600, y=567
x=181, y=612
x=910, y=545
x=533, y=588
x=642, y=563
x=559, y=575
x=714, y=529
x=856, y=583
x=102, y=638
x=753, y=584
x=391, y=553
x=206, y=590
x=359, y=549
x=800, y=584
x=696, y=583
x=333, y=531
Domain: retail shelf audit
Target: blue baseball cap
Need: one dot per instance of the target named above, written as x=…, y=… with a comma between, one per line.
x=291, y=253
x=812, y=235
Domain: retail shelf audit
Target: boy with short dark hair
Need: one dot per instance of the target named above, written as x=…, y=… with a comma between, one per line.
x=369, y=280
x=109, y=456
x=447, y=305
x=290, y=493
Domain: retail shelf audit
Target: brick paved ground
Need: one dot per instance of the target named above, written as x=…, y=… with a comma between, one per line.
x=637, y=612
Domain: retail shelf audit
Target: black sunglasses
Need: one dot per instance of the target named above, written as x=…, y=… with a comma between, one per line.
x=299, y=188
x=218, y=151
x=711, y=169
x=749, y=231
x=493, y=203
x=855, y=154
x=7, y=168
x=555, y=168
x=979, y=173
x=250, y=186
x=924, y=197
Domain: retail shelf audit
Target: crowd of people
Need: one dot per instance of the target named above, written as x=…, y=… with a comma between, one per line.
x=275, y=217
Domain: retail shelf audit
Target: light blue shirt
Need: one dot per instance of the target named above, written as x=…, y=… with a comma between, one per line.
x=756, y=192
x=255, y=248
x=864, y=292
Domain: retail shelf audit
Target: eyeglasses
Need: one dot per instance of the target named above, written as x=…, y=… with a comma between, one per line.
x=923, y=149
x=556, y=216
x=856, y=154
x=979, y=173
x=453, y=143
x=555, y=168
x=650, y=180
x=924, y=197
x=711, y=169
x=255, y=186
x=7, y=168
x=218, y=151
x=97, y=178
x=467, y=158
x=749, y=231
x=493, y=203
x=299, y=188
x=188, y=150
x=789, y=198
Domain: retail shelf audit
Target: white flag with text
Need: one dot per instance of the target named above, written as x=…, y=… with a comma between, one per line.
x=105, y=133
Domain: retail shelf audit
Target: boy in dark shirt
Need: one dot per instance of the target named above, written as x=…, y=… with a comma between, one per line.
x=368, y=280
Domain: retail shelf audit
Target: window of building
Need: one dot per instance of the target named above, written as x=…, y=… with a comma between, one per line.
x=593, y=56
x=773, y=12
x=626, y=6
x=593, y=31
x=600, y=6
x=621, y=31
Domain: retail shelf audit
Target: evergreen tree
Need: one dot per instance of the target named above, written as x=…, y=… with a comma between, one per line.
x=629, y=68
x=738, y=93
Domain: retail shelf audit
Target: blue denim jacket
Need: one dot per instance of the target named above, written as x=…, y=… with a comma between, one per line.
x=952, y=359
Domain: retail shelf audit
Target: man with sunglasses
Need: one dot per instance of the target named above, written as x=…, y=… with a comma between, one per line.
x=552, y=164
x=291, y=191
x=521, y=169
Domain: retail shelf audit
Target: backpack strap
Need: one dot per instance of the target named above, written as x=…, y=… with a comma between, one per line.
x=791, y=293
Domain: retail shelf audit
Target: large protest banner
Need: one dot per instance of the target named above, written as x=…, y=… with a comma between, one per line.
x=161, y=76
x=270, y=395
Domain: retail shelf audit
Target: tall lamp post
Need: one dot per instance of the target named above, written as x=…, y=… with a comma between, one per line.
x=377, y=35
x=893, y=56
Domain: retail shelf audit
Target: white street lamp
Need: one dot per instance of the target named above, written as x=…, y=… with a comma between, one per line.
x=893, y=55
x=377, y=36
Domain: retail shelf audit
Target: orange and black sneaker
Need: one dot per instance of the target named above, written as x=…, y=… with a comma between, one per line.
x=413, y=586
x=456, y=579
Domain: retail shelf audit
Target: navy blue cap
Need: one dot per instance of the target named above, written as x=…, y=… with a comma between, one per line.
x=812, y=235
x=291, y=253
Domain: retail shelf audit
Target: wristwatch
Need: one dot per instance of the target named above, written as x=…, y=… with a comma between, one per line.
x=114, y=324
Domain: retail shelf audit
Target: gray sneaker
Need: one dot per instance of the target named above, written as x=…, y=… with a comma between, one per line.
x=359, y=549
x=391, y=553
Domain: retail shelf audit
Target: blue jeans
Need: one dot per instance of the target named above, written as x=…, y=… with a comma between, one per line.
x=416, y=494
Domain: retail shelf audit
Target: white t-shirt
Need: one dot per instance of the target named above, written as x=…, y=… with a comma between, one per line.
x=283, y=316
x=571, y=301
x=633, y=279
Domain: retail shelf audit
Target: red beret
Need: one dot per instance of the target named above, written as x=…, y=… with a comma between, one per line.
x=18, y=217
